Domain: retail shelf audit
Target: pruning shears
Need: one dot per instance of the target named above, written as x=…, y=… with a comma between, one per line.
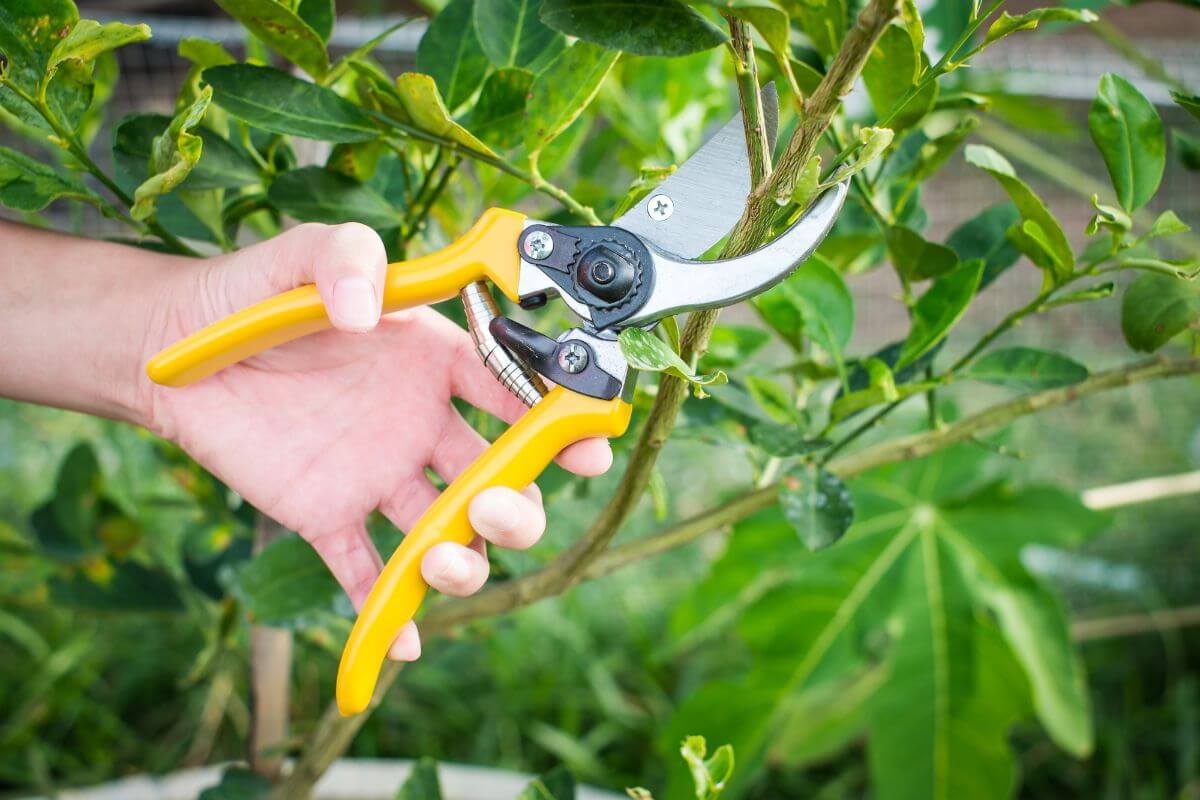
x=632, y=273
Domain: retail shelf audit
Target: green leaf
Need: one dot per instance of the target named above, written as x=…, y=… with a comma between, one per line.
x=915, y=586
x=768, y=19
x=422, y=782
x=817, y=504
x=890, y=72
x=513, y=35
x=558, y=784
x=935, y=152
x=1167, y=224
x=221, y=165
x=937, y=311
x=915, y=258
x=77, y=491
x=238, y=783
x=646, y=28
x=451, y=53
x=876, y=393
x=1187, y=148
x=733, y=345
x=173, y=155
x=28, y=185
x=645, y=351
x=1115, y=220
x=319, y=14
x=813, y=301
x=1031, y=208
x=874, y=141
x=771, y=398
x=1129, y=135
x=204, y=53
x=499, y=113
x=784, y=441
x=1026, y=368
x=563, y=90
x=418, y=103
x=1188, y=102
x=29, y=32
x=709, y=774
x=286, y=585
x=270, y=99
x=284, y=31
x=984, y=236
x=1007, y=24
x=88, y=40
x=318, y=194
x=823, y=21
x=1156, y=308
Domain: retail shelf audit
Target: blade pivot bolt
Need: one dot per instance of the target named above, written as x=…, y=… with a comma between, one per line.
x=660, y=207
x=573, y=357
x=538, y=245
x=603, y=272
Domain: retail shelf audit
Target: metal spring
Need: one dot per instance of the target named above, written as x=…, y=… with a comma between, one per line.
x=513, y=374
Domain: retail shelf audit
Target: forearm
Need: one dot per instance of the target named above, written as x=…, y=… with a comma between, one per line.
x=76, y=319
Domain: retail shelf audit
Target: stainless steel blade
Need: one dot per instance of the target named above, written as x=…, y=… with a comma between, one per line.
x=681, y=285
x=690, y=211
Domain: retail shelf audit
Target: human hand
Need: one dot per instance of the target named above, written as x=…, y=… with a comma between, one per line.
x=320, y=432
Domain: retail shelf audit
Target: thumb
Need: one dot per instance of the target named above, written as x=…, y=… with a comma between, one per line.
x=346, y=262
x=349, y=266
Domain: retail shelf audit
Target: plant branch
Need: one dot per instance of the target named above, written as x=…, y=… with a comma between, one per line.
x=1065, y=174
x=66, y=138
x=531, y=177
x=746, y=66
x=819, y=109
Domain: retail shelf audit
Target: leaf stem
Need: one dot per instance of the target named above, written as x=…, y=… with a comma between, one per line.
x=67, y=139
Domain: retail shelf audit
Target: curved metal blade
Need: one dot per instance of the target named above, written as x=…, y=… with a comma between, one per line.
x=706, y=195
x=681, y=285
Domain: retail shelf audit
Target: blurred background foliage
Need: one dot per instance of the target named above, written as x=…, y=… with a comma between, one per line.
x=127, y=581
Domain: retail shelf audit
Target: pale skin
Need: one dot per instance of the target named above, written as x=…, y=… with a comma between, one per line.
x=317, y=433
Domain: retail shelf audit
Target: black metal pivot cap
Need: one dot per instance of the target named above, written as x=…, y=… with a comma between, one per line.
x=607, y=269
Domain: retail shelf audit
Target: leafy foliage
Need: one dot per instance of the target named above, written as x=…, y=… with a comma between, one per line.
x=896, y=609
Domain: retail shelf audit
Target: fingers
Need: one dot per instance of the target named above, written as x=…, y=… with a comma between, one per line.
x=352, y=558
x=349, y=267
x=455, y=570
x=589, y=457
x=507, y=518
x=346, y=262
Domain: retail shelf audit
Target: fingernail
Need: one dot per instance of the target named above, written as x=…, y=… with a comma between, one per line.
x=354, y=303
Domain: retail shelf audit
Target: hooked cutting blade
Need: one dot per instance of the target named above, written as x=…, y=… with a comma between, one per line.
x=691, y=210
x=681, y=285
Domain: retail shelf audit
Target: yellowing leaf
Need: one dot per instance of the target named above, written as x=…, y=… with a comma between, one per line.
x=174, y=154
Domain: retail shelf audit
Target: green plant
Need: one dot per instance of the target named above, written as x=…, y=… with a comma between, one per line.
x=872, y=589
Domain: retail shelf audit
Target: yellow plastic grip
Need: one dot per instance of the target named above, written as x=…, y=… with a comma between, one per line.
x=487, y=250
x=514, y=460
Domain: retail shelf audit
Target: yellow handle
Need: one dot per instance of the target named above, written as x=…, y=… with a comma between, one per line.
x=487, y=250
x=514, y=460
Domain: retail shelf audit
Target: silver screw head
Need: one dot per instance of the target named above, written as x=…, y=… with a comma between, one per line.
x=538, y=245
x=572, y=357
x=660, y=207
